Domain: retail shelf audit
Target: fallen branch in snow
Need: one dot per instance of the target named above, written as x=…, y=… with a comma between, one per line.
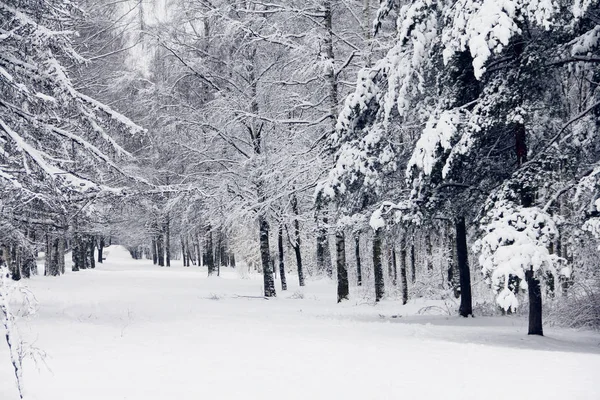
x=251, y=297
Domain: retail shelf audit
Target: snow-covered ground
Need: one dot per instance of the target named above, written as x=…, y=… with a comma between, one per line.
x=131, y=330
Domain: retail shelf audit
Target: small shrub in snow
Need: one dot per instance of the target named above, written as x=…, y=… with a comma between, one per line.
x=581, y=309
x=298, y=294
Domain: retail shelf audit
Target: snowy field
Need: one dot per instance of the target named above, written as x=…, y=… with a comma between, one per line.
x=130, y=330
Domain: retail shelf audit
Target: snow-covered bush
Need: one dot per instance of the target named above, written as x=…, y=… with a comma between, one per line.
x=516, y=240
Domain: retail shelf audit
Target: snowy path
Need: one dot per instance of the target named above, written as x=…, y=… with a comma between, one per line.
x=129, y=330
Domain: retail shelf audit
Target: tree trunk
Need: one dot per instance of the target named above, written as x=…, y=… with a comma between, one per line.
x=160, y=250
x=281, y=264
x=403, y=271
x=76, y=252
x=10, y=259
x=48, y=254
x=60, y=256
x=85, y=243
x=394, y=268
x=357, y=256
x=413, y=262
x=168, y=241
x=154, y=250
x=101, y=249
x=209, y=252
x=453, y=273
x=183, y=253
x=367, y=21
x=342, y=269
x=55, y=255
x=199, y=250
x=296, y=245
x=91, y=252
x=323, y=254
x=269, y=281
x=378, y=266
x=535, y=304
x=466, y=307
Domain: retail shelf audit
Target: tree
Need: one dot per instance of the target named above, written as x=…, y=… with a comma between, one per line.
x=59, y=149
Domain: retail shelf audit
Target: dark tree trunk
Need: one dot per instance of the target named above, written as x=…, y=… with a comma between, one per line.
x=55, y=262
x=76, y=244
x=219, y=250
x=403, y=271
x=48, y=255
x=85, y=244
x=357, y=256
x=34, y=253
x=394, y=268
x=209, y=252
x=269, y=281
x=168, y=241
x=160, y=250
x=197, y=249
x=223, y=253
x=298, y=255
x=91, y=247
x=217, y=255
x=60, y=256
x=342, y=270
x=154, y=251
x=535, y=304
x=281, y=264
x=10, y=259
x=232, y=260
x=378, y=266
x=413, y=262
x=520, y=144
x=183, y=253
x=101, y=249
x=296, y=245
x=466, y=307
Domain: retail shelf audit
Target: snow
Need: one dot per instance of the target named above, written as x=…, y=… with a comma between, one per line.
x=587, y=42
x=486, y=27
x=131, y=330
x=376, y=221
x=437, y=137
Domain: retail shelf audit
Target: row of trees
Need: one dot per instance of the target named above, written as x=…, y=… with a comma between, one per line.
x=491, y=112
x=402, y=139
